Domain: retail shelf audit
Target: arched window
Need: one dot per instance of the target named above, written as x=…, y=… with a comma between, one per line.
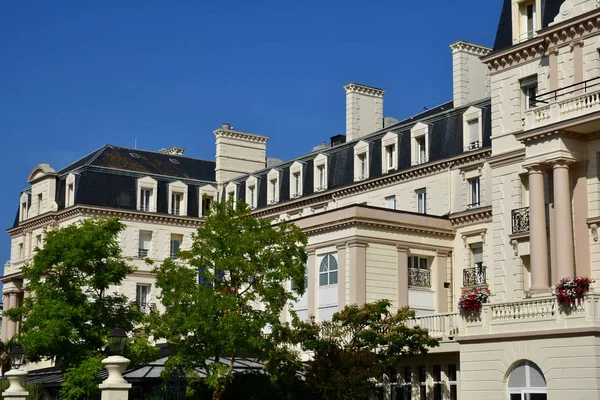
x=526, y=382
x=328, y=271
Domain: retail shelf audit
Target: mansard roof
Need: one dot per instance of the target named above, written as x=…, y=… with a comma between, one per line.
x=146, y=162
x=504, y=39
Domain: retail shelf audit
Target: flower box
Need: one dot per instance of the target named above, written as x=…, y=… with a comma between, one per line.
x=471, y=300
x=570, y=290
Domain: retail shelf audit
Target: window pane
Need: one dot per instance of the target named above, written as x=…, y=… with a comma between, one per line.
x=422, y=375
x=437, y=392
x=477, y=254
x=453, y=392
x=422, y=263
x=323, y=279
x=473, y=131
x=324, y=265
x=437, y=373
x=333, y=278
x=517, y=377
x=535, y=396
x=536, y=377
x=332, y=263
x=452, y=372
x=515, y=396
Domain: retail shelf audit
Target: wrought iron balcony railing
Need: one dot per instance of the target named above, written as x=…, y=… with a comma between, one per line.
x=419, y=277
x=142, y=252
x=520, y=220
x=474, y=276
x=145, y=307
x=590, y=85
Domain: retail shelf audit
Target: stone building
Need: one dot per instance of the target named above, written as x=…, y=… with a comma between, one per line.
x=497, y=188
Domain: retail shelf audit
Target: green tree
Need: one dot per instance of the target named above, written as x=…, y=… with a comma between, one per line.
x=226, y=291
x=71, y=311
x=360, y=343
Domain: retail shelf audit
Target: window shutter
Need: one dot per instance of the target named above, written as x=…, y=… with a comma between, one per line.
x=145, y=239
x=477, y=254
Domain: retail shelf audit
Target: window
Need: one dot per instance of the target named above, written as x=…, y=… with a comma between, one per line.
x=305, y=276
x=146, y=200
x=390, y=202
x=416, y=262
x=452, y=382
x=134, y=155
x=176, y=200
x=473, y=193
x=390, y=152
x=174, y=160
x=421, y=151
x=527, y=382
x=23, y=213
x=69, y=195
x=142, y=298
x=528, y=15
x=40, y=198
x=206, y=203
x=38, y=242
x=362, y=162
x=274, y=180
x=438, y=384
x=321, y=177
x=231, y=196
x=176, y=241
x=297, y=192
x=252, y=196
x=421, y=201
x=328, y=271
x=529, y=88
x=422, y=383
x=20, y=251
x=273, y=191
x=144, y=246
x=474, y=134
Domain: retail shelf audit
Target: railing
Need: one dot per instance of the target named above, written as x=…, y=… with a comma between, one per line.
x=175, y=211
x=473, y=145
x=145, y=307
x=554, y=95
x=474, y=276
x=520, y=220
x=438, y=325
x=419, y=277
x=524, y=309
x=142, y=252
x=473, y=205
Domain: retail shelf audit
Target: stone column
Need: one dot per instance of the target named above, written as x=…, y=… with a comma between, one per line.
x=537, y=231
x=312, y=283
x=341, y=248
x=115, y=387
x=402, y=260
x=15, y=390
x=358, y=272
x=440, y=291
x=563, y=218
x=4, y=317
x=11, y=326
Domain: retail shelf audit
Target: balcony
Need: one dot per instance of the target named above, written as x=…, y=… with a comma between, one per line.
x=563, y=104
x=143, y=253
x=145, y=307
x=419, y=277
x=474, y=276
x=440, y=326
x=520, y=220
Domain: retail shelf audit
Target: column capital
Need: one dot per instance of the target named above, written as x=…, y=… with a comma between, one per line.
x=341, y=246
x=310, y=251
x=534, y=169
x=402, y=248
x=357, y=243
x=561, y=163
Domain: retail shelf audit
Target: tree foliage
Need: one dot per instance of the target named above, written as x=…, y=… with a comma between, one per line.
x=225, y=291
x=360, y=343
x=71, y=310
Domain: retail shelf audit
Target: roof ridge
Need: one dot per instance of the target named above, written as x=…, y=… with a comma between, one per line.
x=158, y=152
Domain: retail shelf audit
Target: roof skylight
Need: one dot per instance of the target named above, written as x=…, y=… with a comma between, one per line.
x=134, y=155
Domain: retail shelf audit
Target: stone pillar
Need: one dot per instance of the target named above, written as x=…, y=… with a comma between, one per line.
x=11, y=327
x=16, y=391
x=537, y=231
x=553, y=62
x=358, y=272
x=341, y=248
x=402, y=260
x=440, y=291
x=4, y=317
x=115, y=387
x=563, y=221
x=312, y=283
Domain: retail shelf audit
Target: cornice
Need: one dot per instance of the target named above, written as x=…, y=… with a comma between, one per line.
x=548, y=40
x=471, y=48
x=471, y=217
x=53, y=218
x=508, y=158
x=362, y=89
x=241, y=135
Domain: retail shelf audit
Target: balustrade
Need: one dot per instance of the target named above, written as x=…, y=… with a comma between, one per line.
x=419, y=277
x=520, y=220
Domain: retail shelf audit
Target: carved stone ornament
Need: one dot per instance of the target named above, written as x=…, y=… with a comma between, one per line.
x=566, y=10
x=594, y=228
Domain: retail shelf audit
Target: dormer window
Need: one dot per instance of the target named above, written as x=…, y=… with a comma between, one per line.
x=420, y=139
x=70, y=191
x=361, y=161
x=252, y=196
x=178, y=198
x=296, y=180
x=273, y=187
x=296, y=177
x=23, y=212
x=389, y=154
x=320, y=176
x=207, y=194
x=40, y=199
x=472, y=132
x=176, y=203
x=146, y=199
x=526, y=19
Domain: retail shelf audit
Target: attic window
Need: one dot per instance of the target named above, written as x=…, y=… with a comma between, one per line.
x=174, y=161
x=134, y=155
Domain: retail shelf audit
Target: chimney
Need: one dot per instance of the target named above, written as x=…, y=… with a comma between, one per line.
x=238, y=153
x=471, y=79
x=364, y=110
x=177, y=151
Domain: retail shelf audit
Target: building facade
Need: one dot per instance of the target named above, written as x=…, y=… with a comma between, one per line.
x=495, y=189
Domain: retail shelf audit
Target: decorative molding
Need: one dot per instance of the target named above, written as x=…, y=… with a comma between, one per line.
x=474, y=216
x=241, y=135
x=478, y=232
x=508, y=158
x=594, y=229
x=470, y=48
x=362, y=89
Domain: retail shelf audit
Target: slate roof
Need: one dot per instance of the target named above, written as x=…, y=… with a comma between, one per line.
x=445, y=141
x=504, y=39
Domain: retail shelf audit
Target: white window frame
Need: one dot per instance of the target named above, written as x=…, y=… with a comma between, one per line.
x=519, y=18
x=179, y=237
x=296, y=172
x=389, y=141
x=273, y=185
x=472, y=114
x=206, y=191
x=231, y=189
x=70, y=191
x=39, y=200
x=361, y=161
x=474, y=202
x=421, y=194
x=523, y=391
x=390, y=202
x=528, y=85
x=141, y=251
x=329, y=272
x=252, y=198
x=143, y=306
x=419, y=132
x=181, y=188
x=147, y=183
x=320, y=161
x=24, y=206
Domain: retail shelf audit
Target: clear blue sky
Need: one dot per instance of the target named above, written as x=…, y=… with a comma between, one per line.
x=75, y=75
